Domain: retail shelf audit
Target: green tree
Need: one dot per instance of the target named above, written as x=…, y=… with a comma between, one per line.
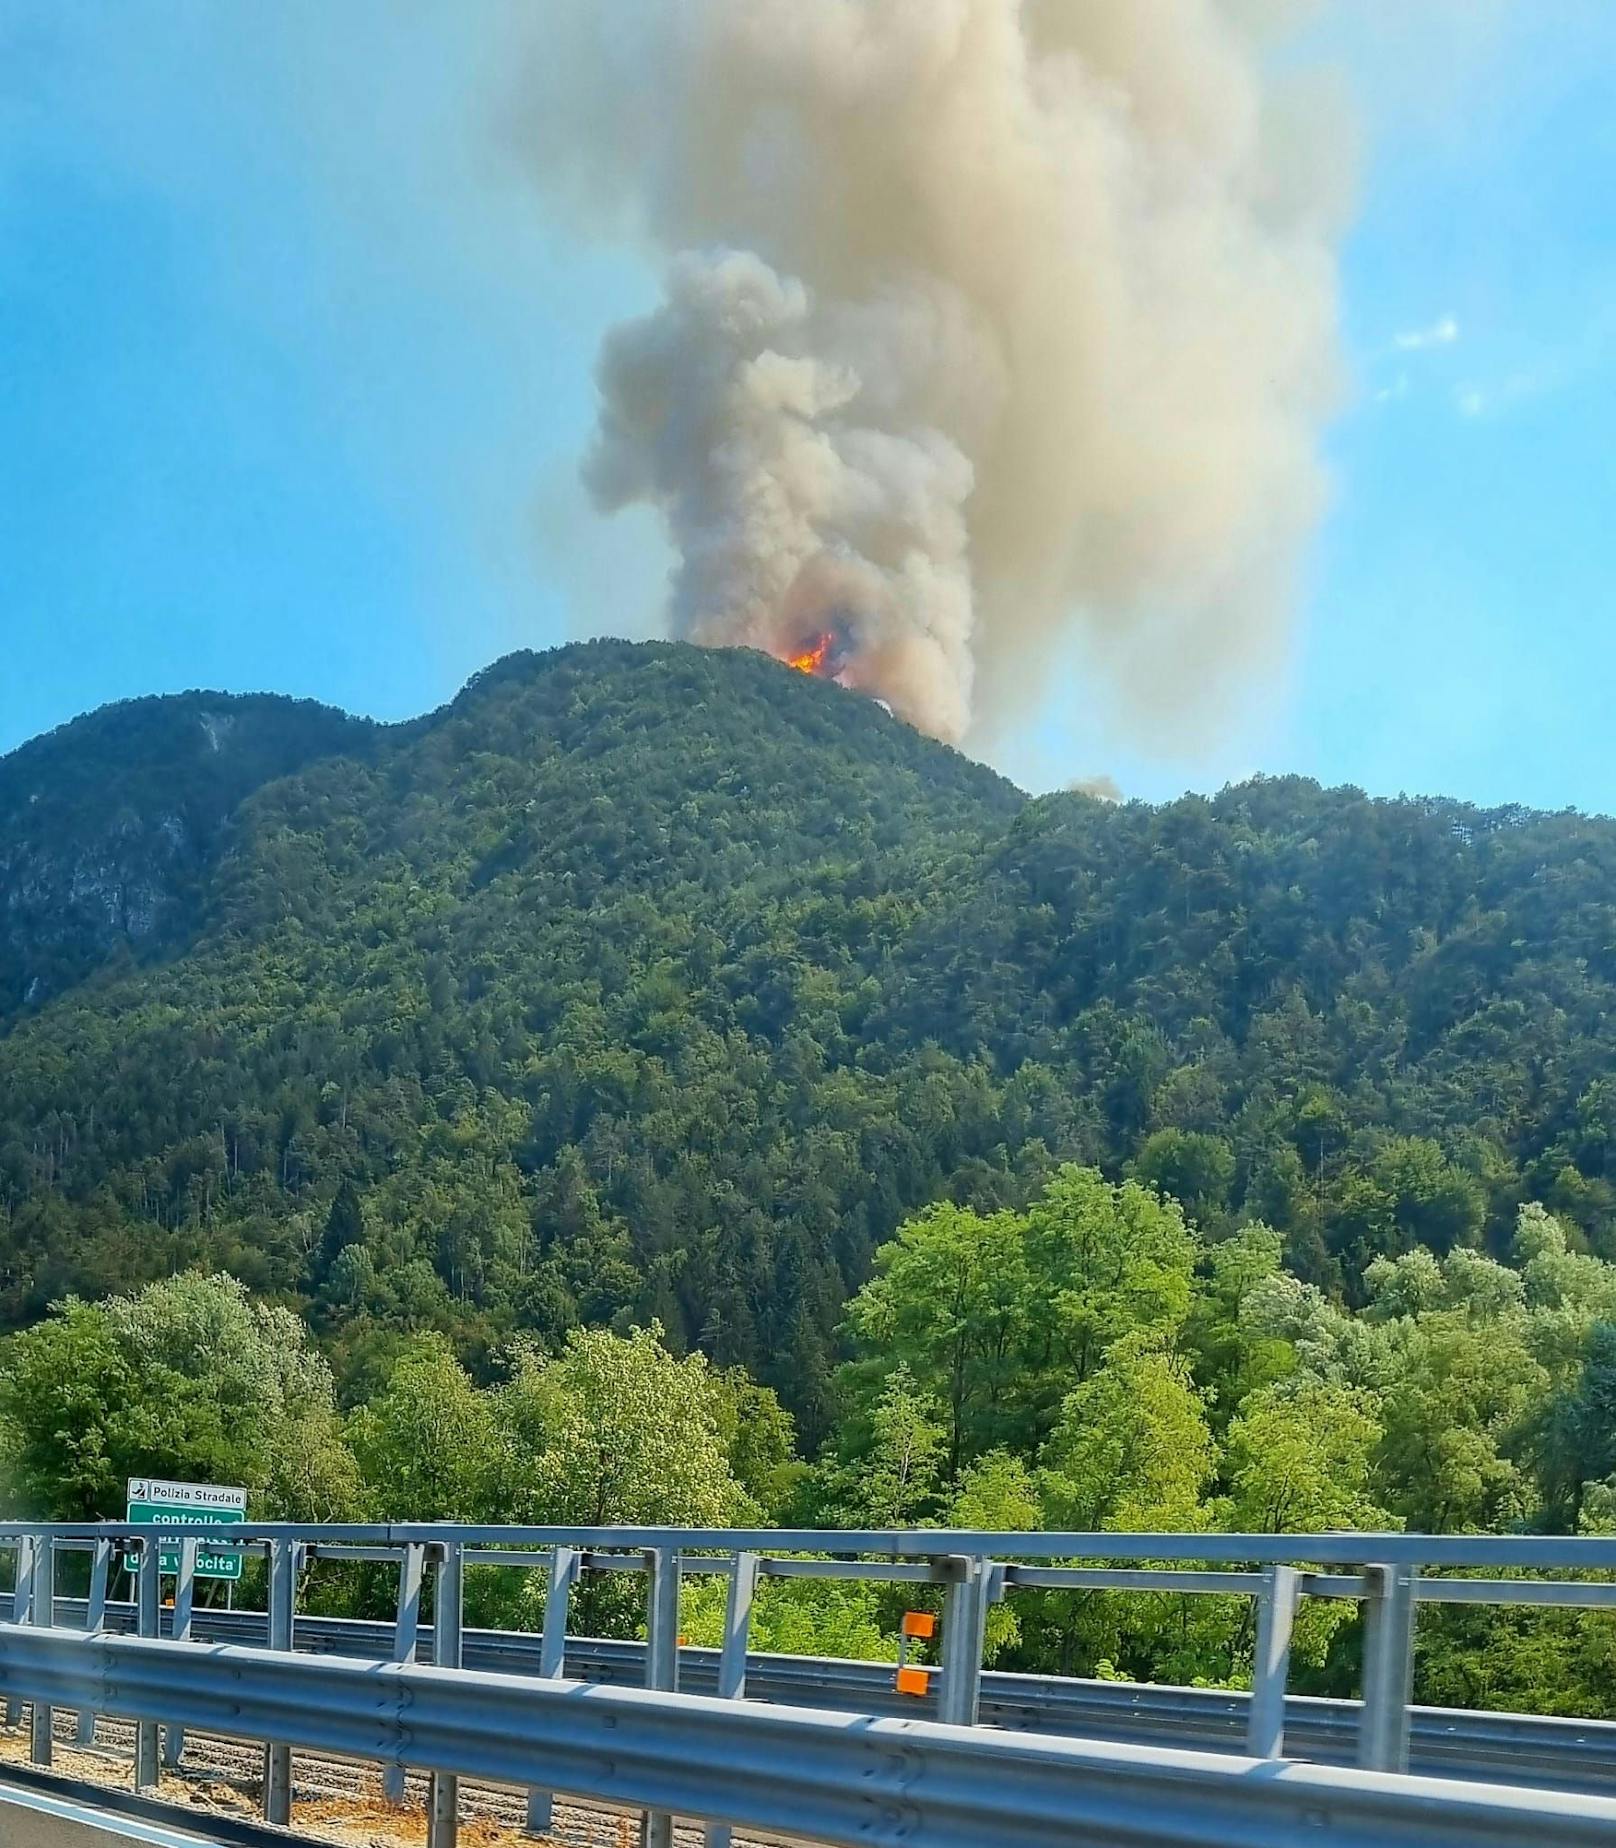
x=760, y=1441
x=344, y=1226
x=1300, y=1459
x=946, y=1303
x=997, y=1493
x=896, y=1482
x=1576, y=1436
x=192, y=1379
x=1133, y=1450
x=617, y=1431
x=1231, y=1359
x=72, y=1420
x=1103, y=1262
x=1190, y=1166
x=429, y=1444
x=1434, y=1203
x=838, y=1618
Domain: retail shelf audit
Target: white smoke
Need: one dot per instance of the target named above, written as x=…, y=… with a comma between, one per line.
x=984, y=318
x=1101, y=788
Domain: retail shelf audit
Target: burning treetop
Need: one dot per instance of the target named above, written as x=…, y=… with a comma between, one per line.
x=816, y=657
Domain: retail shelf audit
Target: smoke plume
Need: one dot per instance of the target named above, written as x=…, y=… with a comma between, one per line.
x=983, y=319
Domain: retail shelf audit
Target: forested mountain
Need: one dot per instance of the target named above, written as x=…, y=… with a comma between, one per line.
x=108, y=827
x=647, y=982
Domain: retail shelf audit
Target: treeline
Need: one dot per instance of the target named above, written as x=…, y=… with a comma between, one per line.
x=1090, y=1363
x=645, y=984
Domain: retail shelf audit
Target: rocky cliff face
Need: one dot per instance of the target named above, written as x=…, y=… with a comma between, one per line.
x=109, y=825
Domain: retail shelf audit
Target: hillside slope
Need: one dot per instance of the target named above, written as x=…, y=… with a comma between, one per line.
x=646, y=981
x=109, y=825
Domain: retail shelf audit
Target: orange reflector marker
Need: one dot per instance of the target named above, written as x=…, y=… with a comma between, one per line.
x=919, y=1623
x=913, y=1681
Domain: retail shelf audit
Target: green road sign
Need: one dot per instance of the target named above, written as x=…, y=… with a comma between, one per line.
x=152, y=1503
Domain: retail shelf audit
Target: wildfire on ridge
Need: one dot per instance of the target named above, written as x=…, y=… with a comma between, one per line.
x=814, y=657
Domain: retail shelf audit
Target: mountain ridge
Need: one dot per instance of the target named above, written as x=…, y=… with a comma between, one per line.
x=644, y=981
x=109, y=823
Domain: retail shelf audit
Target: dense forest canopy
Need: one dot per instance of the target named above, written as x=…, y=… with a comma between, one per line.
x=1090, y=1363
x=644, y=984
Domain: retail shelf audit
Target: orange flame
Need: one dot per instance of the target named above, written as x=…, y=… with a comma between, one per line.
x=812, y=659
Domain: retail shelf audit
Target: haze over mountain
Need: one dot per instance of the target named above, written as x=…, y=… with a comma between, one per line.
x=649, y=981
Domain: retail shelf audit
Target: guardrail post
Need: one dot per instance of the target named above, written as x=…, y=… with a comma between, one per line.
x=22, y=1611
x=1271, y=1662
x=565, y=1565
x=95, y=1619
x=732, y=1658
x=661, y=1659
x=43, y=1550
x=282, y=1623
x=965, y=1617
x=448, y=1603
x=184, y=1602
x=1388, y=1667
x=406, y=1634
x=148, y=1615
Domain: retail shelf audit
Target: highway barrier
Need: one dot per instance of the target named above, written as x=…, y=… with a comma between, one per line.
x=816, y=1775
x=1555, y=1768
x=1508, y=1748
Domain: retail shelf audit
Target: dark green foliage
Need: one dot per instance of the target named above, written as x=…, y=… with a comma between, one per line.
x=110, y=826
x=646, y=983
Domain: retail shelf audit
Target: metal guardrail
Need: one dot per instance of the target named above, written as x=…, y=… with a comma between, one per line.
x=1537, y=1552
x=813, y=1775
x=1382, y=1573
x=1505, y=1748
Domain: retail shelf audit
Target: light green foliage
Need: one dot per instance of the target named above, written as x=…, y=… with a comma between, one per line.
x=191, y=1379
x=1474, y=1367
x=1133, y=1451
x=812, y=1617
x=613, y=1430
x=1567, y=1291
x=947, y=1303
x=997, y=1494
x=1300, y=1460
x=760, y=1441
x=1457, y=1382
x=1455, y=1420
x=995, y=1319
x=1104, y=1262
x=1230, y=1358
x=1465, y=1392
x=618, y=1431
x=430, y=1445
x=895, y=1483
x=71, y=1418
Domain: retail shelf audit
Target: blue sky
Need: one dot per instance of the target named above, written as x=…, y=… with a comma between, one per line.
x=294, y=374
